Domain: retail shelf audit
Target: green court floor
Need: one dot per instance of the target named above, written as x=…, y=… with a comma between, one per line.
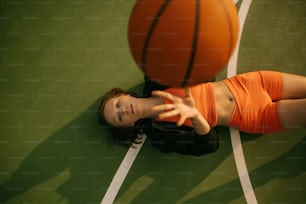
x=56, y=60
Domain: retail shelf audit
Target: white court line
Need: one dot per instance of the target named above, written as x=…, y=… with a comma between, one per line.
x=241, y=167
x=132, y=153
x=235, y=136
x=122, y=171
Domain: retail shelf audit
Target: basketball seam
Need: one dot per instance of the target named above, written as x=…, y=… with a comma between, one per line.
x=150, y=33
x=194, y=44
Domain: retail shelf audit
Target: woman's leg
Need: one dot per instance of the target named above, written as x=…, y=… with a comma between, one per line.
x=292, y=113
x=292, y=106
x=294, y=86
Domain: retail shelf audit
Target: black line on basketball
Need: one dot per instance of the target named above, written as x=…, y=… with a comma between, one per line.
x=230, y=25
x=149, y=35
x=194, y=43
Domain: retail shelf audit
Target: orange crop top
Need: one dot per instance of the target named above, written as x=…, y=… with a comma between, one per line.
x=205, y=102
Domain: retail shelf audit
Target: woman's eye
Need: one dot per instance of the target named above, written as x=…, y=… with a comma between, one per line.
x=118, y=105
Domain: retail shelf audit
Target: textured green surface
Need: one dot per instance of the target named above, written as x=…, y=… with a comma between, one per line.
x=58, y=57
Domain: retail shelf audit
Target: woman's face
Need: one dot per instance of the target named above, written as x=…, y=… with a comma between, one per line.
x=121, y=111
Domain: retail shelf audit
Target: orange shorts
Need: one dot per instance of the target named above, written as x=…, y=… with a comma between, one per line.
x=256, y=95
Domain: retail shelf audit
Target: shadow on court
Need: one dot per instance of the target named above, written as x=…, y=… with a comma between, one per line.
x=172, y=178
x=80, y=148
x=167, y=178
x=291, y=164
x=82, y=152
x=84, y=155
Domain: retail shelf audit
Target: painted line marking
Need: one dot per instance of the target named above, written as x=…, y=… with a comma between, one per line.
x=235, y=135
x=122, y=171
x=241, y=167
x=132, y=153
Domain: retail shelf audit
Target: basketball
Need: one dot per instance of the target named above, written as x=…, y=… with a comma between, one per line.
x=182, y=42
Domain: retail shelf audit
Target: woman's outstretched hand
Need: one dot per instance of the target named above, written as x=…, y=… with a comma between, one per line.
x=183, y=106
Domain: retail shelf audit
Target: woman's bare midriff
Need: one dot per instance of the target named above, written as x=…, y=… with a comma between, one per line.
x=225, y=103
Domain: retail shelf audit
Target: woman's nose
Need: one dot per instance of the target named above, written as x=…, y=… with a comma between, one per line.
x=124, y=109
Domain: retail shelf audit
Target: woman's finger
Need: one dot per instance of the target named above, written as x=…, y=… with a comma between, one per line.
x=163, y=107
x=168, y=114
x=187, y=92
x=181, y=121
x=165, y=95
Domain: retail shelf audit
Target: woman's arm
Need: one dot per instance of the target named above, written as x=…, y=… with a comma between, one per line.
x=200, y=125
x=185, y=107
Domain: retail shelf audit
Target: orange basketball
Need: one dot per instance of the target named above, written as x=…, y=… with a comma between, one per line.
x=182, y=42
